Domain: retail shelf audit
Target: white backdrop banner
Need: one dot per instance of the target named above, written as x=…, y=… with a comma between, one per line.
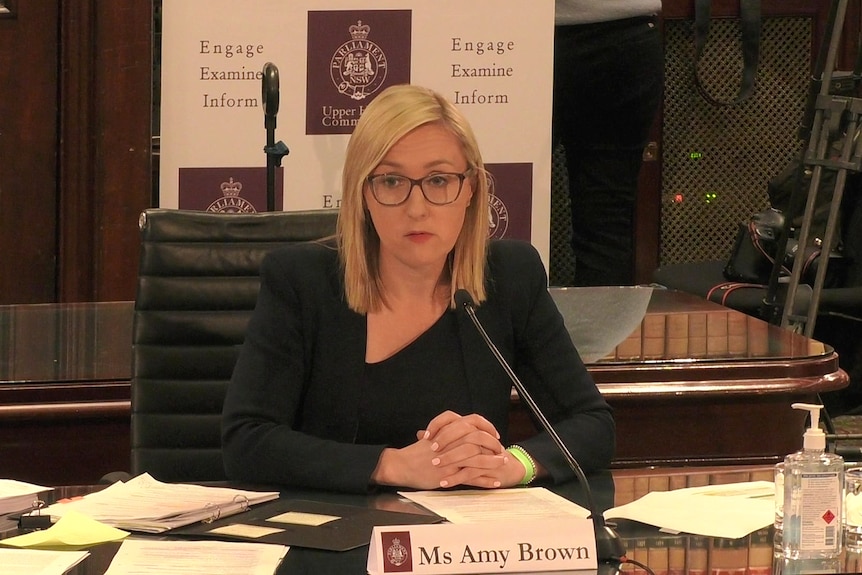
x=492, y=58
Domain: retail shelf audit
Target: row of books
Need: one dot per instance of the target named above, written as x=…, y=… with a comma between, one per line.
x=698, y=555
x=704, y=334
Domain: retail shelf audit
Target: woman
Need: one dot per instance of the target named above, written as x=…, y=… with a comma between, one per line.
x=357, y=370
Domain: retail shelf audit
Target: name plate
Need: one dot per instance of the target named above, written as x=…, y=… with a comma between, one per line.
x=522, y=547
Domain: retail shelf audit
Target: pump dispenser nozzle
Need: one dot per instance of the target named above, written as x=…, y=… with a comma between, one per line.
x=814, y=438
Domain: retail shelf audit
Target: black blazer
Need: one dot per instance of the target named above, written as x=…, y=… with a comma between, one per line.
x=290, y=413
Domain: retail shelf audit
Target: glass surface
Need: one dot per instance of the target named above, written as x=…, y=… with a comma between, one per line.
x=92, y=341
x=677, y=327
x=66, y=342
x=853, y=509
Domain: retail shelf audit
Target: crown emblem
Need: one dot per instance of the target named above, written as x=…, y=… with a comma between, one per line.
x=359, y=31
x=231, y=188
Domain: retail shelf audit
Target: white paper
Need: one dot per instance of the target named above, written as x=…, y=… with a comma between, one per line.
x=157, y=557
x=497, y=505
x=733, y=510
x=18, y=495
x=38, y=562
x=145, y=504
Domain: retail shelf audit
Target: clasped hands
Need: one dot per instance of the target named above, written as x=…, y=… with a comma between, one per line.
x=453, y=450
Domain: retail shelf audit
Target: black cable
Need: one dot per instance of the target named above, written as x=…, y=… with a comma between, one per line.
x=636, y=563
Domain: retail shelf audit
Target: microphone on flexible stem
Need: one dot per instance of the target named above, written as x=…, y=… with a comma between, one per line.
x=609, y=546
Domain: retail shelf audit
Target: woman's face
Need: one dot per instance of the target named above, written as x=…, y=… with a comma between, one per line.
x=418, y=234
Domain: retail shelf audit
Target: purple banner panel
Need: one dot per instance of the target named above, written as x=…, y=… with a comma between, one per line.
x=227, y=190
x=511, y=212
x=352, y=56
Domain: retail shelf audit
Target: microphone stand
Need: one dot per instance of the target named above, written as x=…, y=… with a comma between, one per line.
x=275, y=151
x=609, y=546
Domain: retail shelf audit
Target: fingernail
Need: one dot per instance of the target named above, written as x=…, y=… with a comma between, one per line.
x=435, y=446
x=427, y=435
x=444, y=484
x=435, y=461
x=497, y=484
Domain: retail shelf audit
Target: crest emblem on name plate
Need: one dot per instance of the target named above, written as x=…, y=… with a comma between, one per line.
x=397, y=553
x=358, y=67
x=230, y=202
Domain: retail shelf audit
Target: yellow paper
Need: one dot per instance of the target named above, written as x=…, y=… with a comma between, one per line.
x=300, y=518
x=242, y=530
x=73, y=531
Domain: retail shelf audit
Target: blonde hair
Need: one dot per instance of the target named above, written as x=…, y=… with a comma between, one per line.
x=395, y=112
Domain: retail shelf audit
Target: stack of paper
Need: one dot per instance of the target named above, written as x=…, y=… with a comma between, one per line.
x=145, y=557
x=35, y=562
x=730, y=510
x=18, y=495
x=147, y=505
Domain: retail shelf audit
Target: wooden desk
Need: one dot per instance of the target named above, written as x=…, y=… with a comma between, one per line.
x=65, y=373
x=708, y=397
x=700, y=384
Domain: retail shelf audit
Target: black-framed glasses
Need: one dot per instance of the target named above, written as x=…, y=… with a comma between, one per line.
x=439, y=188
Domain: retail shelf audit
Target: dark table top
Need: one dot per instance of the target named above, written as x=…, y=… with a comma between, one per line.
x=664, y=553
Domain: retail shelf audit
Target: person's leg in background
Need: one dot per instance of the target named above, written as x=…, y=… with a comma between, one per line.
x=608, y=82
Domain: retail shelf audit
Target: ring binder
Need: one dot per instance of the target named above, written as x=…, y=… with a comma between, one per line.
x=214, y=516
x=242, y=500
x=150, y=506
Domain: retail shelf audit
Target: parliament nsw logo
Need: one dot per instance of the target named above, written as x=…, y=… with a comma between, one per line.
x=228, y=190
x=511, y=200
x=358, y=67
x=352, y=56
x=397, y=557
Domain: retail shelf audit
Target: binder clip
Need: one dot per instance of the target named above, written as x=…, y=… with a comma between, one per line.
x=34, y=520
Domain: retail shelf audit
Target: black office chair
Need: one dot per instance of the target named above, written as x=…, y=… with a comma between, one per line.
x=197, y=286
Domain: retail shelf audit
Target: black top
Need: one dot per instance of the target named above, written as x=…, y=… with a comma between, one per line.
x=291, y=413
x=416, y=384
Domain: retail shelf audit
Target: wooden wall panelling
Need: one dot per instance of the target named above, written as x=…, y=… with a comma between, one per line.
x=105, y=179
x=28, y=150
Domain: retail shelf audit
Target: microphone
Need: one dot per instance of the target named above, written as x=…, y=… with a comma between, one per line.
x=609, y=546
x=270, y=94
x=274, y=151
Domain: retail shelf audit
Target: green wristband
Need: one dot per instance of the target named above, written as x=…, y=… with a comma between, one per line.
x=526, y=460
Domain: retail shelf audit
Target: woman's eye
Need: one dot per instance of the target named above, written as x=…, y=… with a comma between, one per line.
x=438, y=181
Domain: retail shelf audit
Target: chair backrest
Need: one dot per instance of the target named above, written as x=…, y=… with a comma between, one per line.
x=197, y=286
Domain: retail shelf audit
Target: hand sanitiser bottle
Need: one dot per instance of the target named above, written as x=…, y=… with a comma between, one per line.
x=813, y=495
